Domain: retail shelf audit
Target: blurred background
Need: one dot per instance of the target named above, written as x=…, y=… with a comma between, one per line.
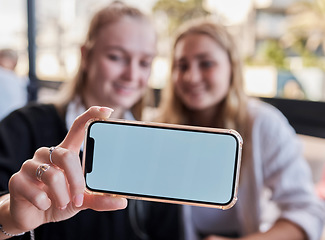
x=282, y=43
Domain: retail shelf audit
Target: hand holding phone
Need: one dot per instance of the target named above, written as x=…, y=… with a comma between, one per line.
x=163, y=162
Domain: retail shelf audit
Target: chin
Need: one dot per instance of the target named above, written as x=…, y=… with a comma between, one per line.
x=127, y=104
x=196, y=107
x=123, y=100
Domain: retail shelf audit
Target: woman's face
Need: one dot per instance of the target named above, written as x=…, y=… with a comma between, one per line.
x=202, y=72
x=120, y=63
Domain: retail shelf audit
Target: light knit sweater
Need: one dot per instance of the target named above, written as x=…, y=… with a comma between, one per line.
x=272, y=158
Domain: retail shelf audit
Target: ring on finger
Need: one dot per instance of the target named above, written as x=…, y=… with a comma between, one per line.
x=42, y=169
x=51, y=151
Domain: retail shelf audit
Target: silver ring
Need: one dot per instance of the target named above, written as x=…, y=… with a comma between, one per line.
x=51, y=151
x=42, y=169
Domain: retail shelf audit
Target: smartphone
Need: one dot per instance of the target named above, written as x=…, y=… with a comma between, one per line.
x=163, y=162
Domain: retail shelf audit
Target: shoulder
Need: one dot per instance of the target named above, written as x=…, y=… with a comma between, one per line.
x=35, y=109
x=259, y=110
x=264, y=115
x=6, y=74
x=38, y=123
x=269, y=127
x=34, y=116
x=34, y=112
x=9, y=79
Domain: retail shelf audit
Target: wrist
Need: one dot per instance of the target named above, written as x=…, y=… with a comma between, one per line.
x=7, y=228
x=9, y=234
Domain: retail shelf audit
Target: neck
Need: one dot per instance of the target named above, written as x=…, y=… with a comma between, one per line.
x=118, y=111
x=203, y=118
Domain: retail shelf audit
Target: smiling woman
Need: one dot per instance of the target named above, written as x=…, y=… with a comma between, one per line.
x=206, y=89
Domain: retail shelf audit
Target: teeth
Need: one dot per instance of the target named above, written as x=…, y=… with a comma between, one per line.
x=125, y=88
x=195, y=90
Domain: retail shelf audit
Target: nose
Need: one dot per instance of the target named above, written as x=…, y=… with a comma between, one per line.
x=192, y=74
x=131, y=71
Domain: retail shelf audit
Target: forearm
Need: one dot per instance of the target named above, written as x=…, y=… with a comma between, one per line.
x=6, y=221
x=281, y=230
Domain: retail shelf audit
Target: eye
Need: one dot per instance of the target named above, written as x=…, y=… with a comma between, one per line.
x=181, y=66
x=145, y=63
x=206, y=64
x=114, y=57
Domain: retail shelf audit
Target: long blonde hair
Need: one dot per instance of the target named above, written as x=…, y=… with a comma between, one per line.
x=107, y=15
x=233, y=107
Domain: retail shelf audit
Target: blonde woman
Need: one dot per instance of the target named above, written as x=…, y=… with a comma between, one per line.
x=47, y=192
x=206, y=89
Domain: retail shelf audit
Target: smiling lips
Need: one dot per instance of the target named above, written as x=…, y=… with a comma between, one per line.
x=124, y=89
x=195, y=91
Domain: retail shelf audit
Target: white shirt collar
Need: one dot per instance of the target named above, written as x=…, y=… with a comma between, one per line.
x=76, y=108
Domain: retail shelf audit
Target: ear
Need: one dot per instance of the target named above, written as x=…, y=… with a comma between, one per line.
x=84, y=57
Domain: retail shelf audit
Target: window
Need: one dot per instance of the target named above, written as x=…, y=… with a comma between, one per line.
x=13, y=31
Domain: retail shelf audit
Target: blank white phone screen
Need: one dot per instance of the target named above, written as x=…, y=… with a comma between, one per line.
x=163, y=163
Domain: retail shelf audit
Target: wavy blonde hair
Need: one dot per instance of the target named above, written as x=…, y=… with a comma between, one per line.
x=107, y=15
x=233, y=108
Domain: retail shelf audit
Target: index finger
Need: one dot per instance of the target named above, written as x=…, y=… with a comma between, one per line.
x=76, y=134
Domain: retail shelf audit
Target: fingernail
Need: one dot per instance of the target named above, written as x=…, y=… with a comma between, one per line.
x=106, y=110
x=122, y=203
x=78, y=200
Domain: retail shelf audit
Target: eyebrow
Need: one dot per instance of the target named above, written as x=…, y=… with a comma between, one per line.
x=125, y=51
x=198, y=56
